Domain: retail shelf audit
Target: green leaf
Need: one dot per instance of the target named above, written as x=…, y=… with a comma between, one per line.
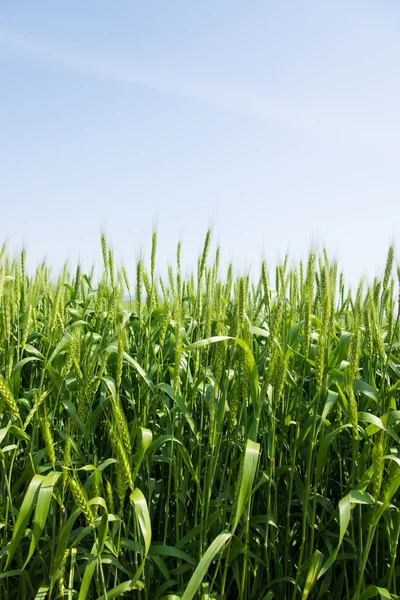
x=203, y=566
x=330, y=402
x=34, y=351
x=165, y=387
x=354, y=497
x=71, y=409
x=312, y=575
x=23, y=362
x=42, y=592
x=106, y=463
x=60, y=346
x=258, y=331
x=110, y=383
x=366, y=389
x=387, y=496
x=140, y=370
x=374, y=420
x=42, y=510
x=253, y=373
x=139, y=503
x=372, y=591
x=13, y=573
x=250, y=461
x=323, y=448
x=26, y=509
x=97, y=549
x=88, y=574
x=145, y=437
x=158, y=549
x=126, y=586
x=62, y=545
x=16, y=431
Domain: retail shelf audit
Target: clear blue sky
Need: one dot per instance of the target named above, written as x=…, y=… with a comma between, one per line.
x=278, y=122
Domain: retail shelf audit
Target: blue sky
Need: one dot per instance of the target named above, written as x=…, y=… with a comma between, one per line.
x=277, y=122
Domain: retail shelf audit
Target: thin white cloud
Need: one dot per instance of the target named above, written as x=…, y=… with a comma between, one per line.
x=344, y=128
x=158, y=79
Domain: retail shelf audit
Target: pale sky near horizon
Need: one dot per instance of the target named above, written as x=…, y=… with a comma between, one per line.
x=277, y=122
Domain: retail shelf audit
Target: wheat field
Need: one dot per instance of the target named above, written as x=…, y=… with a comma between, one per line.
x=202, y=436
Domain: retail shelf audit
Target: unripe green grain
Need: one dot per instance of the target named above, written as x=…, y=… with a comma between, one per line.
x=6, y=312
x=67, y=455
x=398, y=285
x=204, y=254
x=104, y=251
x=178, y=255
x=171, y=280
x=164, y=324
x=111, y=267
x=317, y=299
x=281, y=378
x=7, y=396
x=120, y=358
x=126, y=279
x=81, y=500
x=354, y=351
x=179, y=286
x=301, y=278
x=212, y=411
x=153, y=254
x=367, y=329
x=48, y=440
x=178, y=353
x=229, y=281
x=233, y=403
x=215, y=268
x=122, y=484
x=109, y=496
x=264, y=277
x=376, y=292
x=191, y=286
x=123, y=462
x=388, y=267
x=26, y=321
x=77, y=281
x=219, y=360
x=121, y=423
x=379, y=344
x=37, y=402
x=272, y=370
x=149, y=292
x=75, y=352
x=139, y=277
x=55, y=309
x=390, y=313
x=276, y=324
x=164, y=290
x=353, y=412
x=277, y=280
x=241, y=305
x=341, y=287
x=16, y=290
x=96, y=491
x=244, y=379
x=323, y=285
x=377, y=465
x=207, y=309
x=320, y=360
x=7, y=267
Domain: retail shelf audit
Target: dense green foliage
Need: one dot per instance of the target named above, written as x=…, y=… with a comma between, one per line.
x=207, y=438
